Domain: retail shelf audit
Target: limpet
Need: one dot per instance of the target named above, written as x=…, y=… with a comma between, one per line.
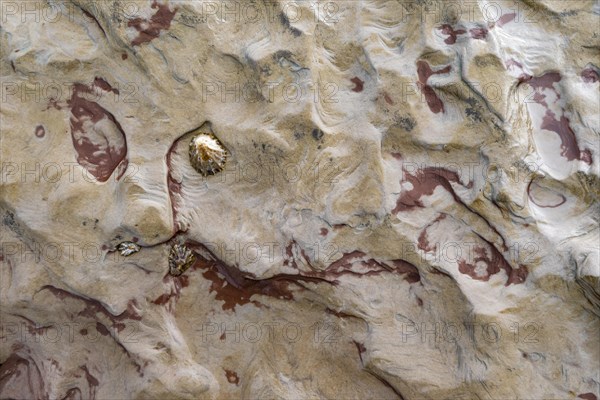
x=180, y=259
x=207, y=154
x=128, y=248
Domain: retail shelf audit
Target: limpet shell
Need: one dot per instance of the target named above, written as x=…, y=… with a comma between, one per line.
x=128, y=248
x=180, y=259
x=207, y=154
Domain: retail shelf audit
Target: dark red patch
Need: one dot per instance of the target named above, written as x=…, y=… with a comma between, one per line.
x=388, y=99
x=102, y=329
x=423, y=241
x=40, y=131
x=589, y=75
x=545, y=81
x=424, y=72
x=563, y=198
x=232, y=377
x=505, y=19
x=569, y=147
x=451, y=32
x=162, y=299
x=123, y=56
x=424, y=183
x=367, y=266
x=404, y=267
x=20, y=378
x=588, y=396
x=494, y=261
x=94, y=307
x=99, y=151
x=358, y=84
x=234, y=288
x=150, y=29
x=177, y=283
x=339, y=314
x=478, y=33
x=173, y=186
x=104, y=85
x=513, y=63
x=92, y=382
x=518, y=275
x=561, y=126
x=324, y=231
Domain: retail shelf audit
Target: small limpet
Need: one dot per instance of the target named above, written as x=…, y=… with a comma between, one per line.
x=128, y=248
x=180, y=259
x=207, y=154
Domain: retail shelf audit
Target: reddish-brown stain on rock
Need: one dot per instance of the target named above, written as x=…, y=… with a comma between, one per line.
x=103, y=330
x=40, y=131
x=561, y=126
x=424, y=182
x=451, y=32
x=235, y=288
x=493, y=261
x=388, y=99
x=563, y=199
x=232, y=376
x=357, y=263
x=149, y=30
x=20, y=377
x=358, y=84
x=424, y=71
x=478, y=33
x=505, y=19
x=177, y=283
x=91, y=381
x=589, y=75
x=404, y=267
x=98, y=138
x=93, y=307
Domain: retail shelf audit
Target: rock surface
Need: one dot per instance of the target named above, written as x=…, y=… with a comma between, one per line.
x=409, y=208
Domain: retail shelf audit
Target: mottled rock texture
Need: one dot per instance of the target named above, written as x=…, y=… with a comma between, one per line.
x=409, y=208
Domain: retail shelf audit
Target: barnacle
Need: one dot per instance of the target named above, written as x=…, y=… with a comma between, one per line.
x=128, y=248
x=180, y=259
x=207, y=154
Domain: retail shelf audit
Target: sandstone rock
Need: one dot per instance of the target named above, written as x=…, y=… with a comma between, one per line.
x=409, y=206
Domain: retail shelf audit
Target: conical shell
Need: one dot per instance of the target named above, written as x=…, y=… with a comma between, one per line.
x=207, y=154
x=180, y=259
